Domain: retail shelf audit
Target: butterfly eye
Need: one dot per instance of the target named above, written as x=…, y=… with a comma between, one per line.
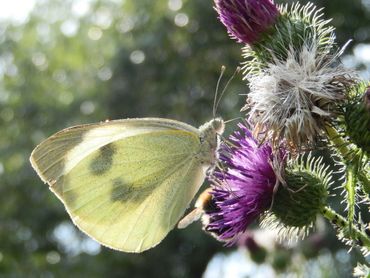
x=218, y=125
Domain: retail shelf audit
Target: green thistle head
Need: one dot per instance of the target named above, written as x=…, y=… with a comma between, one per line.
x=297, y=204
x=356, y=116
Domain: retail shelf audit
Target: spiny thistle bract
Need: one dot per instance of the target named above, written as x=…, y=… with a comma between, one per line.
x=298, y=202
x=362, y=271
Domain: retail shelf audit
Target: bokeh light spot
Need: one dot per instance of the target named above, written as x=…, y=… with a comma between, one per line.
x=181, y=19
x=80, y=8
x=12, y=70
x=69, y=27
x=16, y=161
x=70, y=239
x=95, y=33
x=174, y=5
x=40, y=61
x=362, y=52
x=10, y=10
x=60, y=76
x=87, y=107
x=53, y=257
x=105, y=74
x=43, y=32
x=66, y=98
x=103, y=18
x=137, y=56
x=126, y=25
x=24, y=234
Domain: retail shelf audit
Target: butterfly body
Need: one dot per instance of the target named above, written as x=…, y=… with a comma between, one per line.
x=126, y=183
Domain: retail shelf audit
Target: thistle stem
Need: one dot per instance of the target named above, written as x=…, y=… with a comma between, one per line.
x=350, y=186
x=356, y=236
x=345, y=151
x=338, y=141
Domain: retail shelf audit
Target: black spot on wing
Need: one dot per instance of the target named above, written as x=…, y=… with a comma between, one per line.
x=125, y=192
x=120, y=190
x=104, y=161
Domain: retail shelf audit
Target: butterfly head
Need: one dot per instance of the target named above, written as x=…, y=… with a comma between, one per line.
x=218, y=125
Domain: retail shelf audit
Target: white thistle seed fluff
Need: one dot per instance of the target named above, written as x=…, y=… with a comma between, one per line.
x=291, y=99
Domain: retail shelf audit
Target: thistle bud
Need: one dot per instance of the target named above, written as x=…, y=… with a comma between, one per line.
x=296, y=27
x=297, y=204
x=357, y=116
x=247, y=20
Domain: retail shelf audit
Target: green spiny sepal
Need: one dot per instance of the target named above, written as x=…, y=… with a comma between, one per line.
x=356, y=116
x=298, y=202
x=296, y=27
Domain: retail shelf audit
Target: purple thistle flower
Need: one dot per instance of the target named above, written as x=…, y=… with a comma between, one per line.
x=244, y=189
x=246, y=20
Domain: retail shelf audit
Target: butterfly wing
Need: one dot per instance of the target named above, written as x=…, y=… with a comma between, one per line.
x=125, y=183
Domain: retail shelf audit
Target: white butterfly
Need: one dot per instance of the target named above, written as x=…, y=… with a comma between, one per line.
x=126, y=183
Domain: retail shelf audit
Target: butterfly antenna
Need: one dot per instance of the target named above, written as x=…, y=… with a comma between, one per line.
x=234, y=119
x=237, y=70
x=223, y=68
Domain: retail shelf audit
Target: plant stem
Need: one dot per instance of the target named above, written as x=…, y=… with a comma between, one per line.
x=356, y=236
x=338, y=141
x=350, y=186
x=346, y=153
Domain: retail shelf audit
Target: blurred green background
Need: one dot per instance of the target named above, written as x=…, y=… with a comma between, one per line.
x=74, y=62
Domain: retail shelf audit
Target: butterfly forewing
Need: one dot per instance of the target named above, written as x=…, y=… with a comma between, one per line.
x=62, y=151
x=127, y=192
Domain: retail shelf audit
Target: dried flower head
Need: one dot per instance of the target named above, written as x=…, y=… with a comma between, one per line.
x=291, y=100
x=247, y=20
x=243, y=188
